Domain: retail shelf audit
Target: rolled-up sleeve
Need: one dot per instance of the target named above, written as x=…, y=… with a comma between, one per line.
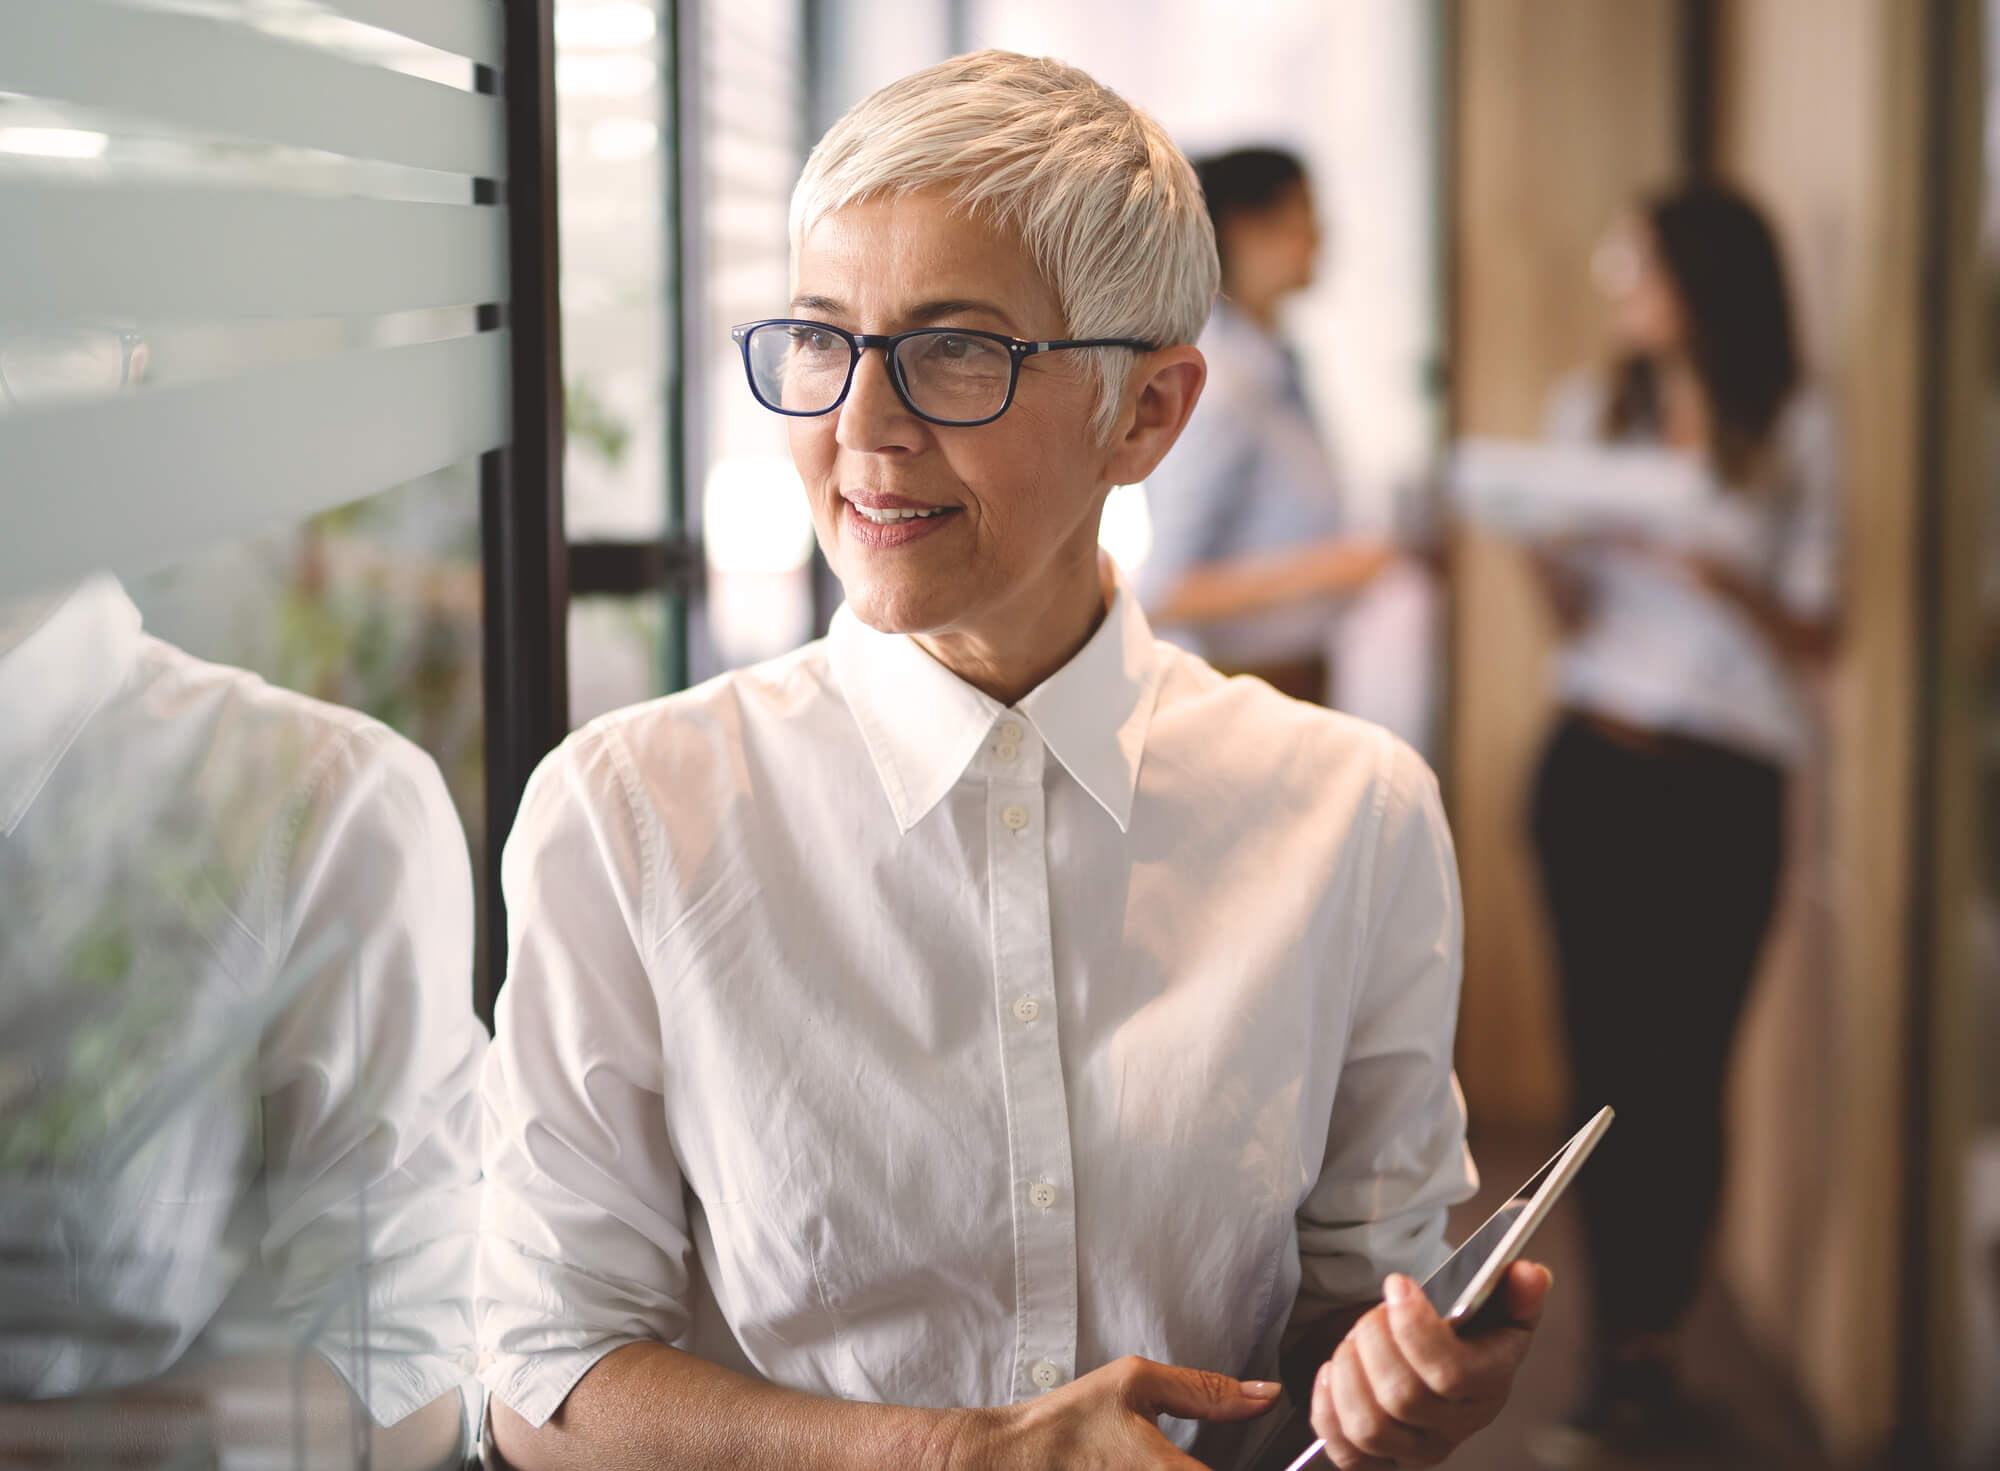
x=584, y=1243
x=1396, y=1157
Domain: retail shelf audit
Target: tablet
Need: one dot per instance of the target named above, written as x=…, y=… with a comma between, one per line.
x=1462, y=1290
x=1464, y=1285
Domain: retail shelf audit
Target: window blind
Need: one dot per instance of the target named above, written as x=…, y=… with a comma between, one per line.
x=250, y=263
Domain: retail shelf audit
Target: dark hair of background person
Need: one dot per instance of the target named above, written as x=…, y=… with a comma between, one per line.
x=1729, y=275
x=1244, y=181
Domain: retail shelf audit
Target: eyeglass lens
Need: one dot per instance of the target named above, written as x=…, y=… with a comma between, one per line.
x=947, y=375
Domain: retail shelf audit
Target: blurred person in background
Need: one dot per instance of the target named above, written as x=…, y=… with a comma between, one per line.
x=1658, y=811
x=1248, y=557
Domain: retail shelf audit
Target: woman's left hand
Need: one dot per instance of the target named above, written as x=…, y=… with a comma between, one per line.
x=1404, y=1390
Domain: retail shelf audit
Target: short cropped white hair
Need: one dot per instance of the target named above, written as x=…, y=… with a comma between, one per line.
x=1107, y=207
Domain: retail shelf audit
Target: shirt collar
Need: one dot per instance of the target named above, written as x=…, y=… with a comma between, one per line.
x=923, y=725
x=76, y=653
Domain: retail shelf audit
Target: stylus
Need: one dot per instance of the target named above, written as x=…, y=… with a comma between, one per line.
x=1310, y=1451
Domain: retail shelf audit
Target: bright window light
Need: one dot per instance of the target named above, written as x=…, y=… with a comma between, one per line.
x=1127, y=528
x=603, y=27
x=605, y=76
x=624, y=137
x=54, y=142
x=754, y=516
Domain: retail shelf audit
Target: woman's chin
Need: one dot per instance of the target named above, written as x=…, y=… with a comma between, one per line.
x=887, y=608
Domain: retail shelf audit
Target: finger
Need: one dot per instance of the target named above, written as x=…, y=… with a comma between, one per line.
x=1478, y=1371
x=1371, y=1429
x=1340, y=1451
x=1527, y=1287
x=1196, y=1394
x=1437, y=1354
x=1399, y=1389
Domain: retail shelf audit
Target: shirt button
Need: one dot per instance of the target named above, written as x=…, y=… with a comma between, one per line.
x=1006, y=750
x=1042, y=1195
x=1027, y=1009
x=1045, y=1375
x=1015, y=816
x=1011, y=732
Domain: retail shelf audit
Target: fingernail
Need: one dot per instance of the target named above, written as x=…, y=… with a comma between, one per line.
x=1397, y=1287
x=1261, y=1388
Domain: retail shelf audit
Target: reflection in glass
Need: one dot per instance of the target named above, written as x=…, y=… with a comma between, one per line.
x=238, y=1057
x=374, y=606
x=54, y=364
x=238, y=1123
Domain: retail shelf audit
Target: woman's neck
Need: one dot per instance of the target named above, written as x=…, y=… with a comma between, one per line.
x=1686, y=420
x=1029, y=645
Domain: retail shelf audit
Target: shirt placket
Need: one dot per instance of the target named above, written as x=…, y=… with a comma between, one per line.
x=1038, y=1133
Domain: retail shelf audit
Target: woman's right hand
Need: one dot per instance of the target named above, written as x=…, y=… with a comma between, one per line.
x=1108, y=1420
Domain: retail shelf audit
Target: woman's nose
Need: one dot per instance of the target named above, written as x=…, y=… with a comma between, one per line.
x=874, y=416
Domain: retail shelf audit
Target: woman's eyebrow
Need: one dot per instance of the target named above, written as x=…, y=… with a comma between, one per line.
x=932, y=311
x=923, y=312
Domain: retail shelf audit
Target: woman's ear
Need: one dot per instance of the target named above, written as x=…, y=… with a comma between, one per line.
x=1169, y=381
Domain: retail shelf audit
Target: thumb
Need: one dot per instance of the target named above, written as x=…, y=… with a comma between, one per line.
x=1527, y=1288
x=1198, y=1394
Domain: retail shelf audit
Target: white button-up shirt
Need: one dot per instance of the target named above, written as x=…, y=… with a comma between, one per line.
x=238, y=1060
x=888, y=1043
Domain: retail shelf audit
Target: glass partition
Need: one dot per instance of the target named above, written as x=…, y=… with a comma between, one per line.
x=254, y=385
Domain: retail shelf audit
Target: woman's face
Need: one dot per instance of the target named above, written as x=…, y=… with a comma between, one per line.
x=1646, y=316
x=1017, y=500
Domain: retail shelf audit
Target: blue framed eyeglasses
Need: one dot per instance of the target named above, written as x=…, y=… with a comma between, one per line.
x=952, y=376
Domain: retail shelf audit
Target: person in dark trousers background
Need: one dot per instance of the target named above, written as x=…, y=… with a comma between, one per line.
x=1658, y=811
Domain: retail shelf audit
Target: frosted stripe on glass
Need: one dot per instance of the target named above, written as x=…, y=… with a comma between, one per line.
x=207, y=75
x=463, y=27
x=153, y=478
x=144, y=253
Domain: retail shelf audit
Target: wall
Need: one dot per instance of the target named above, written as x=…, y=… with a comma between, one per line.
x=1822, y=115
x=1565, y=108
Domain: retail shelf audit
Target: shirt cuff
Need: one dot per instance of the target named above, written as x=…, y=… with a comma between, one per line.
x=534, y=1386
x=394, y=1386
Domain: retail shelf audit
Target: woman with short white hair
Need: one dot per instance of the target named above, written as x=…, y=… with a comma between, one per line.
x=979, y=1034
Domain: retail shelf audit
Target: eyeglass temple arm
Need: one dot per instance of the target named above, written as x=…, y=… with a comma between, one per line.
x=1029, y=349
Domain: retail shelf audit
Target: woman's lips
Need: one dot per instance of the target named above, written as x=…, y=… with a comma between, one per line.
x=892, y=521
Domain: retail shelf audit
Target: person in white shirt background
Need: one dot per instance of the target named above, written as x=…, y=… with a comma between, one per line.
x=238, y=1064
x=1250, y=551
x=1658, y=812
x=969, y=1039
